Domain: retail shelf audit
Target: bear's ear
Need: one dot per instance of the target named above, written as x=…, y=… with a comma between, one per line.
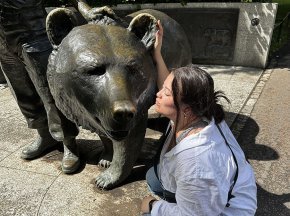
x=59, y=23
x=144, y=26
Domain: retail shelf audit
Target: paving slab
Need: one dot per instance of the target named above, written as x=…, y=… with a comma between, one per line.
x=237, y=83
x=40, y=165
x=265, y=140
x=79, y=196
x=21, y=193
x=14, y=134
x=4, y=154
x=9, y=107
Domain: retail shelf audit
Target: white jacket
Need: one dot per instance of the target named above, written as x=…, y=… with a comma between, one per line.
x=200, y=171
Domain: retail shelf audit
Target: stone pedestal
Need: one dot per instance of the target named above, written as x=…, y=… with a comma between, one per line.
x=237, y=34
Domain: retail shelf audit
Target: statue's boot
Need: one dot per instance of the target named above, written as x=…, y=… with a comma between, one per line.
x=71, y=160
x=43, y=142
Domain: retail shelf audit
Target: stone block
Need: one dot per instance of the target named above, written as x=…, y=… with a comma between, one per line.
x=252, y=33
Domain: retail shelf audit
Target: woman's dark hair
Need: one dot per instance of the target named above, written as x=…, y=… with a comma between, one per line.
x=195, y=87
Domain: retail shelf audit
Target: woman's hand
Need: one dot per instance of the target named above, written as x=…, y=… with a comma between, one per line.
x=158, y=42
x=145, y=204
x=161, y=67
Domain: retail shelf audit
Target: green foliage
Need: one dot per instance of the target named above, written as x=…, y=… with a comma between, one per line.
x=281, y=31
x=280, y=35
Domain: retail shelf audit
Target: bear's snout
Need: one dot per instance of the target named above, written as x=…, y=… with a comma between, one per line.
x=123, y=111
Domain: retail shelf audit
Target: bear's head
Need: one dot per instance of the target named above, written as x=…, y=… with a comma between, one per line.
x=102, y=77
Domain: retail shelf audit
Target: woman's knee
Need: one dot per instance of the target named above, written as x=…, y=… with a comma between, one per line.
x=153, y=182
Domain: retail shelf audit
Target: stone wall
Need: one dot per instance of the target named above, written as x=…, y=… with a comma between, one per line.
x=247, y=43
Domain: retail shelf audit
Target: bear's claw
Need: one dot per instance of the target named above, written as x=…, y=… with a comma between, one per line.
x=104, y=163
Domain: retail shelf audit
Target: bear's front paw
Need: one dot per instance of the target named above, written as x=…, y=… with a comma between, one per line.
x=108, y=179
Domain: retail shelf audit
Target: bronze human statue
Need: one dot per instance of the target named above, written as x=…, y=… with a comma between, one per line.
x=102, y=77
x=24, y=51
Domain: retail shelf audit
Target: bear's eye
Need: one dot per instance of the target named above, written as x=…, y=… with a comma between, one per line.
x=97, y=71
x=132, y=69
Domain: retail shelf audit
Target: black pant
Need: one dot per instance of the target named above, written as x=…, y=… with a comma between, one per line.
x=22, y=88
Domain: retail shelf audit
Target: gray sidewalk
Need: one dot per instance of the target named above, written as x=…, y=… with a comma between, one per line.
x=38, y=187
x=265, y=139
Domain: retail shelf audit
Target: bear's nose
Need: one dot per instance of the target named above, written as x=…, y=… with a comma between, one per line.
x=123, y=111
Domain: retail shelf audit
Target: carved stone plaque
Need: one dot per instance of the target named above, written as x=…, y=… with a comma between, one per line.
x=211, y=32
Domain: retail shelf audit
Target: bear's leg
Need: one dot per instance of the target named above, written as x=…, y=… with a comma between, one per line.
x=125, y=155
x=107, y=155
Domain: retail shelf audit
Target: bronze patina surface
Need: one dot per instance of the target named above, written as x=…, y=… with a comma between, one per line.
x=102, y=77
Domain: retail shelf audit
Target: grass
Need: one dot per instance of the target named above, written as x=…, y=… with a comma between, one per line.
x=283, y=8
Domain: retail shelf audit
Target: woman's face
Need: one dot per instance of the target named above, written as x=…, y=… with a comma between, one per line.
x=164, y=100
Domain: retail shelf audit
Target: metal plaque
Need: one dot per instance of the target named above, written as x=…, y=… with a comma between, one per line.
x=211, y=32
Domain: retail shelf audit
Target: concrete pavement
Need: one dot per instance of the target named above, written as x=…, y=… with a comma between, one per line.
x=265, y=140
x=38, y=187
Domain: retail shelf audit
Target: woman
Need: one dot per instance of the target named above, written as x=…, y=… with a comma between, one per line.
x=202, y=169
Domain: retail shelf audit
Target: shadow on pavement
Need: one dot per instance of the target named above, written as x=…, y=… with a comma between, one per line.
x=268, y=203
x=253, y=150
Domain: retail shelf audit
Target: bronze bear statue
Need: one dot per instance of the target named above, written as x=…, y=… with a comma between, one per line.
x=102, y=77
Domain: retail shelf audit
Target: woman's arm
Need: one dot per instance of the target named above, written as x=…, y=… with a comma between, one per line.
x=162, y=69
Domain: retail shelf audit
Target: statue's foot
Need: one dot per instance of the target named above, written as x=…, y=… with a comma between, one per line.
x=108, y=178
x=39, y=146
x=70, y=161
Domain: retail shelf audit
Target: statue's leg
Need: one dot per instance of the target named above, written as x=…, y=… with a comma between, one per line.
x=124, y=157
x=28, y=101
x=71, y=161
x=107, y=154
x=35, y=55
